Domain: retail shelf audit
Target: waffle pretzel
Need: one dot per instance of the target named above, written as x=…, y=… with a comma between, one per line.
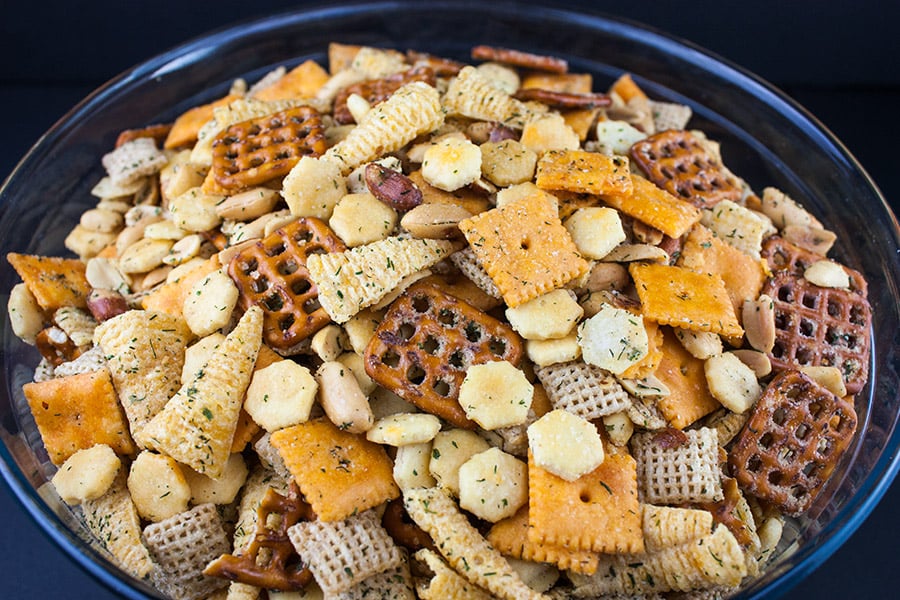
x=255, y=151
x=678, y=162
x=793, y=441
x=426, y=343
x=816, y=326
x=277, y=571
x=272, y=274
x=376, y=91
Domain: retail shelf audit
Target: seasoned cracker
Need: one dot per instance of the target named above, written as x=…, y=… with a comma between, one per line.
x=465, y=549
x=303, y=81
x=584, y=173
x=656, y=207
x=342, y=553
x=510, y=537
x=705, y=253
x=524, y=248
x=467, y=263
x=667, y=527
x=357, y=278
x=340, y=473
x=197, y=425
x=133, y=160
x=170, y=296
x=598, y=512
x=682, y=298
x=113, y=520
x=77, y=412
x=54, y=282
x=186, y=127
x=688, y=399
x=669, y=115
x=395, y=583
x=144, y=351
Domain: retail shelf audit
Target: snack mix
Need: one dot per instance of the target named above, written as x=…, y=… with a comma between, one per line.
x=417, y=328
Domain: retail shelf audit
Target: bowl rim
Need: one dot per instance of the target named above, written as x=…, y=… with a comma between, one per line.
x=870, y=492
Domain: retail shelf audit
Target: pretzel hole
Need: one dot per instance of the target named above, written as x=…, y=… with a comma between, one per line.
x=779, y=258
x=775, y=477
x=300, y=287
x=275, y=250
x=311, y=305
x=473, y=332
x=857, y=315
x=827, y=359
x=810, y=469
x=273, y=303
x=798, y=492
x=286, y=323
x=447, y=317
x=778, y=416
x=786, y=293
x=804, y=356
x=457, y=360
x=754, y=463
x=834, y=308
x=815, y=409
x=778, y=350
x=287, y=267
x=824, y=447
x=421, y=304
x=390, y=359
x=260, y=284
x=683, y=191
x=254, y=129
x=802, y=431
x=766, y=440
x=810, y=300
x=302, y=236
x=407, y=330
x=441, y=388
x=430, y=345
x=248, y=266
x=668, y=172
x=782, y=320
x=497, y=347
x=415, y=375
x=315, y=249
x=807, y=328
x=785, y=455
x=257, y=161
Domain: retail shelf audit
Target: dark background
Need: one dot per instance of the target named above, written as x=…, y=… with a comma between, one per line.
x=837, y=58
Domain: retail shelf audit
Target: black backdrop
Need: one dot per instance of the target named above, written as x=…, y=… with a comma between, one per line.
x=838, y=58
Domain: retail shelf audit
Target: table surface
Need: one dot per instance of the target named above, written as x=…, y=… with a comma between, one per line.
x=830, y=61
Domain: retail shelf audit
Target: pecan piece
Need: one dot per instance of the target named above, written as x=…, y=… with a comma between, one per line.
x=106, y=304
x=670, y=438
x=392, y=187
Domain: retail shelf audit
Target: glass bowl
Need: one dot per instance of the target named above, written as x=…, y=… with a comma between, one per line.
x=766, y=138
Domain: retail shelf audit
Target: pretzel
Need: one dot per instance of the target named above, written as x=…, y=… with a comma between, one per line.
x=157, y=132
x=272, y=274
x=817, y=326
x=442, y=67
x=56, y=347
x=258, y=150
x=678, y=162
x=557, y=99
x=795, y=437
x=400, y=526
x=426, y=343
x=518, y=58
x=376, y=91
x=282, y=569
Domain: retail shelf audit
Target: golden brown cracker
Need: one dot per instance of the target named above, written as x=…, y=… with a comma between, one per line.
x=689, y=398
x=340, y=473
x=647, y=365
x=186, y=127
x=170, y=296
x=683, y=298
x=303, y=81
x=510, y=537
x=743, y=275
x=524, y=248
x=54, y=282
x=598, y=511
x=584, y=172
x=581, y=120
x=572, y=83
x=656, y=207
x=465, y=197
x=77, y=412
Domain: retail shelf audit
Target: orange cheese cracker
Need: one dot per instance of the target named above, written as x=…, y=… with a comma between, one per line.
x=598, y=511
x=683, y=298
x=340, y=473
x=742, y=274
x=584, y=172
x=170, y=296
x=689, y=398
x=656, y=207
x=647, y=365
x=303, y=81
x=510, y=537
x=524, y=248
x=571, y=83
x=186, y=127
x=54, y=282
x=76, y=412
